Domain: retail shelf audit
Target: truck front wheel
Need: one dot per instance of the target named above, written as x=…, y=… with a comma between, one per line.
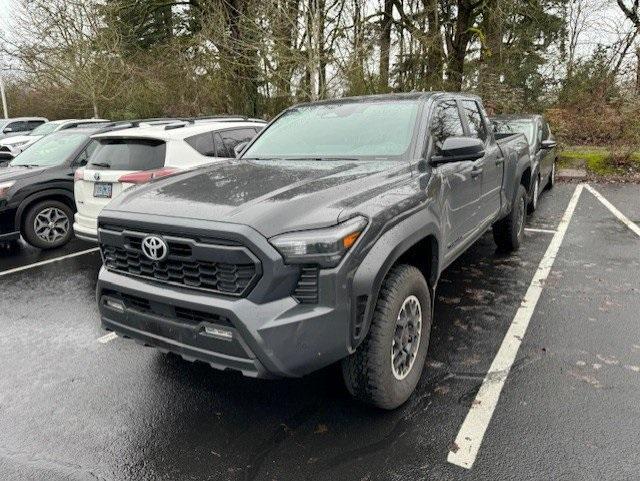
x=386, y=367
x=509, y=232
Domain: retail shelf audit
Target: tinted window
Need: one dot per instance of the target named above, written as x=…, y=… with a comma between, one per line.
x=546, y=132
x=231, y=138
x=127, y=154
x=477, y=127
x=517, y=126
x=221, y=149
x=445, y=123
x=32, y=124
x=18, y=126
x=361, y=130
x=203, y=143
x=53, y=149
x=86, y=153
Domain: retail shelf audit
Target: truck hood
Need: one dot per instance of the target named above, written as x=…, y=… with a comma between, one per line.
x=271, y=196
x=18, y=172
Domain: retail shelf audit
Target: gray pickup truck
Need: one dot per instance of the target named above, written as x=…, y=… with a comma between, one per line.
x=323, y=242
x=542, y=149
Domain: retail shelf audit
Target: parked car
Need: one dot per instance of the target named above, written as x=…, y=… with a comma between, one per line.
x=19, y=125
x=123, y=159
x=323, y=242
x=12, y=146
x=542, y=149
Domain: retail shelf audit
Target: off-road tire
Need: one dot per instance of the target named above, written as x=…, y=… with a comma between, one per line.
x=368, y=373
x=535, y=195
x=28, y=229
x=509, y=232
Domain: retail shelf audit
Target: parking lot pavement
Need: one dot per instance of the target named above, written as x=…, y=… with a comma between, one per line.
x=75, y=408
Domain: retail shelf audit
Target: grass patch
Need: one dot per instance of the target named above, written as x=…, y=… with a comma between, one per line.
x=598, y=161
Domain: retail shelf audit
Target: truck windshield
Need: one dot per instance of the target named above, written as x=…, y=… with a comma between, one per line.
x=350, y=130
x=53, y=149
x=515, y=127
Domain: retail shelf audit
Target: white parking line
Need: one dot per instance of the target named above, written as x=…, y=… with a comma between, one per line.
x=463, y=453
x=543, y=231
x=48, y=261
x=107, y=338
x=630, y=224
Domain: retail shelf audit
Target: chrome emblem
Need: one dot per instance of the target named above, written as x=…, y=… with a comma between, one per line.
x=96, y=176
x=154, y=248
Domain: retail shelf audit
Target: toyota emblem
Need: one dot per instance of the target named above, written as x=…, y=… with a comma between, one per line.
x=96, y=176
x=154, y=248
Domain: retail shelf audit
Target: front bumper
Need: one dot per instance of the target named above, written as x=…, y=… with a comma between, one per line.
x=8, y=229
x=280, y=338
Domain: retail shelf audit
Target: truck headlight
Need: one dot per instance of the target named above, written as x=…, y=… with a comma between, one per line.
x=325, y=247
x=4, y=188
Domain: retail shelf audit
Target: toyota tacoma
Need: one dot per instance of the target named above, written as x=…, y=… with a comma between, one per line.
x=322, y=242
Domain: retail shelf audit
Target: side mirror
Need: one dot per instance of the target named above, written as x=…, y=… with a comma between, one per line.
x=8, y=130
x=548, y=144
x=237, y=150
x=456, y=149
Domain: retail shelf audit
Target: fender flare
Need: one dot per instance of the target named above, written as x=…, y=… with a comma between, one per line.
x=375, y=266
x=39, y=196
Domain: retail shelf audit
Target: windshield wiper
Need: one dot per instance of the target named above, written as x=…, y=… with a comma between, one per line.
x=100, y=164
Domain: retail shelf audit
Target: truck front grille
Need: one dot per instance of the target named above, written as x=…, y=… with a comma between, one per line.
x=223, y=269
x=230, y=279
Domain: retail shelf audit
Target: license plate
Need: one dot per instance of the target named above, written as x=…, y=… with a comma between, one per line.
x=102, y=189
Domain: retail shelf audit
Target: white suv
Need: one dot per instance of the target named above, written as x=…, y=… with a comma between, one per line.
x=12, y=146
x=121, y=159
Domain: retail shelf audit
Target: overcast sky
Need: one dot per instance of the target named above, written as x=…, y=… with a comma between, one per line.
x=603, y=25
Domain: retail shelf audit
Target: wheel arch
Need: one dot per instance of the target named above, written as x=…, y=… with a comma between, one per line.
x=61, y=195
x=415, y=242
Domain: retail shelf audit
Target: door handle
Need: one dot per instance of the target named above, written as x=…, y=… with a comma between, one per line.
x=476, y=171
x=500, y=161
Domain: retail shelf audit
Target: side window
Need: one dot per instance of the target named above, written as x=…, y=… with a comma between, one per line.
x=221, y=149
x=476, y=123
x=445, y=123
x=203, y=143
x=231, y=138
x=17, y=127
x=546, y=133
x=83, y=157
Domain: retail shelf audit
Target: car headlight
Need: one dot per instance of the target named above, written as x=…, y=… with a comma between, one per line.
x=18, y=144
x=4, y=188
x=325, y=247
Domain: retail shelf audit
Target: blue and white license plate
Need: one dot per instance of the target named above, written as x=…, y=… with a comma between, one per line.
x=102, y=189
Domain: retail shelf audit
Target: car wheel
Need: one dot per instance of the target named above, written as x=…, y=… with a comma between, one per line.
x=509, y=232
x=386, y=367
x=535, y=193
x=48, y=224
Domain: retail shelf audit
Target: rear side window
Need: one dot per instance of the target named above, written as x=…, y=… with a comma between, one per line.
x=228, y=139
x=128, y=154
x=18, y=126
x=203, y=143
x=476, y=123
x=445, y=123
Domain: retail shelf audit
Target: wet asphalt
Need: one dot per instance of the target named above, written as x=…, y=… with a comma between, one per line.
x=72, y=408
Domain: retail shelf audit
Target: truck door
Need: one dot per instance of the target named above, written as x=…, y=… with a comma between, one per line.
x=460, y=182
x=491, y=164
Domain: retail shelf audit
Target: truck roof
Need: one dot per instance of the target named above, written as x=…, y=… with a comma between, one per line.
x=390, y=97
